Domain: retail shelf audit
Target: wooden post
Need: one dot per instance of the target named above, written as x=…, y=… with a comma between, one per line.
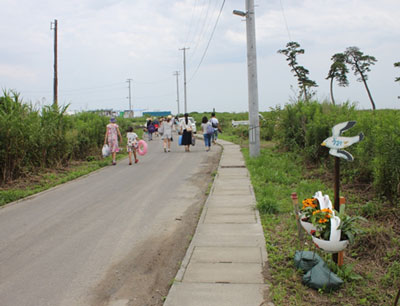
x=397, y=298
x=341, y=254
x=55, y=81
x=336, y=205
x=296, y=213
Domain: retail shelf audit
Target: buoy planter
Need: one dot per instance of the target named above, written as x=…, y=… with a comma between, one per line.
x=334, y=244
x=330, y=246
x=323, y=200
x=307, y=226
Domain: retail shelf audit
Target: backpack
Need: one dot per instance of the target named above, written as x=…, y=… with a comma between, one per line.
x=214, y=123
x=210, y=129
x=151, y=128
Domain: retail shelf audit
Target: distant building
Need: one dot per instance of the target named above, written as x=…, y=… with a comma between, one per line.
x=157, y=114
x=127, y=114
x=104, y=112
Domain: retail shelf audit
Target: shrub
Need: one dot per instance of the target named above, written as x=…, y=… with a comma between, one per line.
x=31, y=138
x=301, y=127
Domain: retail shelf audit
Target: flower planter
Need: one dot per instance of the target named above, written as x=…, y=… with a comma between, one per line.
x=324, y=201
x=307, y=226
x=334, y=244
x=330, y=246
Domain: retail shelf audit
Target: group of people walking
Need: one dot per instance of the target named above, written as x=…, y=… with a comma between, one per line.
x=111, y=137
x=165, y=128
x=210, y=130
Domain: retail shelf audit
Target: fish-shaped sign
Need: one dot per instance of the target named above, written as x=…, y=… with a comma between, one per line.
x=337, y=142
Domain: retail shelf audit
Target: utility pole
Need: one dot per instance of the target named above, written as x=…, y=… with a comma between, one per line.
x=184, y=76
x=254, y=125
x=130, y=105
x=53, y=26
x=177, y=89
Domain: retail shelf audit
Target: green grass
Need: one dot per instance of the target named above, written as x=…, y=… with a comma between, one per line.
x=275, y=175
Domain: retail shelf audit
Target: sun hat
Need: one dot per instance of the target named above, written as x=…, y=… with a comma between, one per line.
x=169, y=116
x=112, y=119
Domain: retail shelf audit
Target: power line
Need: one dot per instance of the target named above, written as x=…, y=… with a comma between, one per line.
x=207, y=29
x=200, y=36
x=209, y=41
x=197, y=24
x=72, y=91
x=92, y=91
x=153, y=82
x=284, y=18
x=92, y=88
x=190, y=23
x=158, y=96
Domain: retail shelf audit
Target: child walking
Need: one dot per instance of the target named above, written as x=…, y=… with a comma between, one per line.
x=132, y=144
x=112, y=133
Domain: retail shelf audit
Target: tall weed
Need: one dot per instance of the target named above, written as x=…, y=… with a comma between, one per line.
x=40, y=138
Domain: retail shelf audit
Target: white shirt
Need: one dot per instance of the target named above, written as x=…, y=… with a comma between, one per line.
x=214, y=122
x=131, y=138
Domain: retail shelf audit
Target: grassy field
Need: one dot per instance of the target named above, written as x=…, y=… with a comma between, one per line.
x=371, y=270
x=372, y=266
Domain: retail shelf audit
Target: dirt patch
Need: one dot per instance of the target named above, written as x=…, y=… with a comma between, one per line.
x=143, y=278
x=36, y=177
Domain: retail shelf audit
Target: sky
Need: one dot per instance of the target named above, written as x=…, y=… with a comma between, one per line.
x=103, y=43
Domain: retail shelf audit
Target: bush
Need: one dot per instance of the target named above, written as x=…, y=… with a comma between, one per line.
x=18, y=126
x=32, y=138
x=301, y=127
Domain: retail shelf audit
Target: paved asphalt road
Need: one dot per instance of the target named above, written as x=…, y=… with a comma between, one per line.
x=56, y=247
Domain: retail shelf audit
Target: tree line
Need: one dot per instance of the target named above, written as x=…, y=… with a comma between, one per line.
x=359, y=63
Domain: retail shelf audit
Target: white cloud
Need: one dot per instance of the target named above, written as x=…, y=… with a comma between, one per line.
x=16, y=72
x=104, y=42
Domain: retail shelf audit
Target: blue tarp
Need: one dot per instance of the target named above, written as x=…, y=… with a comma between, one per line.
x=157, y=114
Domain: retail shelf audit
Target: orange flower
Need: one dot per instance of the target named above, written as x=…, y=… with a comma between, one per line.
x=316, y=211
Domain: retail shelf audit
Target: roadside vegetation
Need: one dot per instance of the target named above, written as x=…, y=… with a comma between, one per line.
x=43, y=147
x=293, y=160
x=40, y=148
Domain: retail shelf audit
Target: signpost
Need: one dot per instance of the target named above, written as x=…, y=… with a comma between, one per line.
x=336, y=143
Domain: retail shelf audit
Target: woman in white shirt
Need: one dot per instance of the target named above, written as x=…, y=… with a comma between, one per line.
x=186, y=129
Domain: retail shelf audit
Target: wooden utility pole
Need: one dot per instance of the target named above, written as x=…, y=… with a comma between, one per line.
x=184, y=77
x=177, y=89
x=53, y=26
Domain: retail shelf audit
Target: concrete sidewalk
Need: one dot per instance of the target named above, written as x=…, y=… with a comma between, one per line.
x=225, y=260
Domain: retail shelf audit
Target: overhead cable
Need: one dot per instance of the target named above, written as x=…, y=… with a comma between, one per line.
x=284, y=18
x=209, y=41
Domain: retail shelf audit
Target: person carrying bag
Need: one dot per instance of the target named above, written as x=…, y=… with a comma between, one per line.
x=186, y=130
